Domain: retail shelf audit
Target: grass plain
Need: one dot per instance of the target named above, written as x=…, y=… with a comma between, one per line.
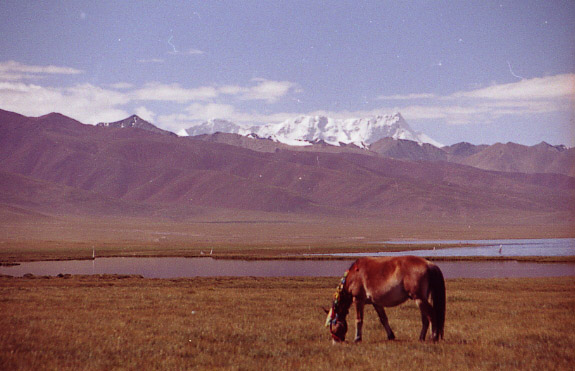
x=117, y=322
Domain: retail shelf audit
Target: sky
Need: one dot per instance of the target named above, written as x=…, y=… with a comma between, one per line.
x=475, y=71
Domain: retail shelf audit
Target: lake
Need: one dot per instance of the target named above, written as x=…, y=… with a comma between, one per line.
x=207, y=267
x=510, y=248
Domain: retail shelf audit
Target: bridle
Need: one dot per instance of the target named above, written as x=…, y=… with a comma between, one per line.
x=334, y=320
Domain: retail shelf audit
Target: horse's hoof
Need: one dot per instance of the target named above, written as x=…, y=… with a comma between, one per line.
x=357, y=340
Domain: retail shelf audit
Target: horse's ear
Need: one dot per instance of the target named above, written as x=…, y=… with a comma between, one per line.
x=325, y=310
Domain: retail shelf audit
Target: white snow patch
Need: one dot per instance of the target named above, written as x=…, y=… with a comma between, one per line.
x=306, y=130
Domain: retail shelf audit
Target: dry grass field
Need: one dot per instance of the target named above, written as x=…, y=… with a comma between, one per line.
x=115, y=322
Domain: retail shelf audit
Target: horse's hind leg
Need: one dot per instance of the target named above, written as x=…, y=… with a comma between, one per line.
x=426, y=317
x=383, y=319
x=424, y=326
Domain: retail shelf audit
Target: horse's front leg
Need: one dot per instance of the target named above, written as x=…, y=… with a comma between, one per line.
x=359, y=305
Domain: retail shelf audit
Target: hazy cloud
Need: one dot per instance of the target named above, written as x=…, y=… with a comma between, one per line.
x=92, y=104
x=15, y=71
x=187, y=52
x=407, y=96
x=173, y=93
x=84, y=102
x=201, y=111
x=526, y=97
x=194, y=52
x=543, y=88
x=121, y=86
x=267, y=90
x=145, y=113
x=151, y=60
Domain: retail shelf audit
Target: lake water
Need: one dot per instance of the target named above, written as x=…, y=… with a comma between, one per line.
x=207, y=267
x=490, y=248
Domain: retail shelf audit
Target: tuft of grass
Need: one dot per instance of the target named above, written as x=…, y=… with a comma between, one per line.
x=119, y=322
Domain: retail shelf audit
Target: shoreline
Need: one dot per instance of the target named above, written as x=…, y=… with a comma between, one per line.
x=252, y=257
x=13, y=253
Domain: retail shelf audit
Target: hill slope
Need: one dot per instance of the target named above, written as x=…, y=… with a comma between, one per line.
x=134, y=171
x=509, y=157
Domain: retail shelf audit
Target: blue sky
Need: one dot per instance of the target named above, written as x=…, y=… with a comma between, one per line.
x=476, y=71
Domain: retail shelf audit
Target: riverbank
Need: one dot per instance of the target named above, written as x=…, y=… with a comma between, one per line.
x=258, y=236
x=15, y=253
x=128, y=322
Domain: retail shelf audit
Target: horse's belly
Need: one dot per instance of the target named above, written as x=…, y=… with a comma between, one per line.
x=389, y=298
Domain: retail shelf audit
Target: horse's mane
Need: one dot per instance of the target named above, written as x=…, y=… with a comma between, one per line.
x=341, y=298
x=351, y=266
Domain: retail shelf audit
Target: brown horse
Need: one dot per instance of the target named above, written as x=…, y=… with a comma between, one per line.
x=387, y=282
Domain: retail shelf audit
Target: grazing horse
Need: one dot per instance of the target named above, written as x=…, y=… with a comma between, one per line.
x=387, y=282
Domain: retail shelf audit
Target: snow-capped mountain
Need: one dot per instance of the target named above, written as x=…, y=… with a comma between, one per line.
x=214, y=126
x=306, y=130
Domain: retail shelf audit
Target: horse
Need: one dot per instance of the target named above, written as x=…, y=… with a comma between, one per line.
x=388, y=282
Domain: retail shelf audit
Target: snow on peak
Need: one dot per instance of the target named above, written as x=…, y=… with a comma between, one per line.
x=213, y=126
x=306, y=130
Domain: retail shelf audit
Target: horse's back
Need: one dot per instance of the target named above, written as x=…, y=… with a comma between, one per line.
x=391, y=280
x=389, y=265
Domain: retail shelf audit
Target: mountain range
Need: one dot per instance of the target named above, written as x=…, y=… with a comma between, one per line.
x=390, y=136
x=505, y=157
x=307, y=130
x=54, y=165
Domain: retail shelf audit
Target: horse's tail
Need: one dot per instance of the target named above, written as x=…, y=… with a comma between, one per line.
x=437, y=285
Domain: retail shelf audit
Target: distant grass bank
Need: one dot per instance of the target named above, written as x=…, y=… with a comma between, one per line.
x=120, y=322
x=15, y=253
x=258, y=236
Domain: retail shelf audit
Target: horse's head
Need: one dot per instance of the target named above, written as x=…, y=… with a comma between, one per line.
x=337, y=325
x=336, y=316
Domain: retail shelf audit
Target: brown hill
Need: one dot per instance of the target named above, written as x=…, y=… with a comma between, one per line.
x=137, y=122
x=541, y=158
x=62, y=165
x=463, y=149
x=22, y=197
x=509, y=157
x=408, y=150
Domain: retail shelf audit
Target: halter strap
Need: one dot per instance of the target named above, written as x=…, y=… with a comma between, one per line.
x=336, y=297
x=336, y=338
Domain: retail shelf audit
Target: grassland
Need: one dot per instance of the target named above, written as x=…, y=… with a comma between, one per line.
x=115, y=322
